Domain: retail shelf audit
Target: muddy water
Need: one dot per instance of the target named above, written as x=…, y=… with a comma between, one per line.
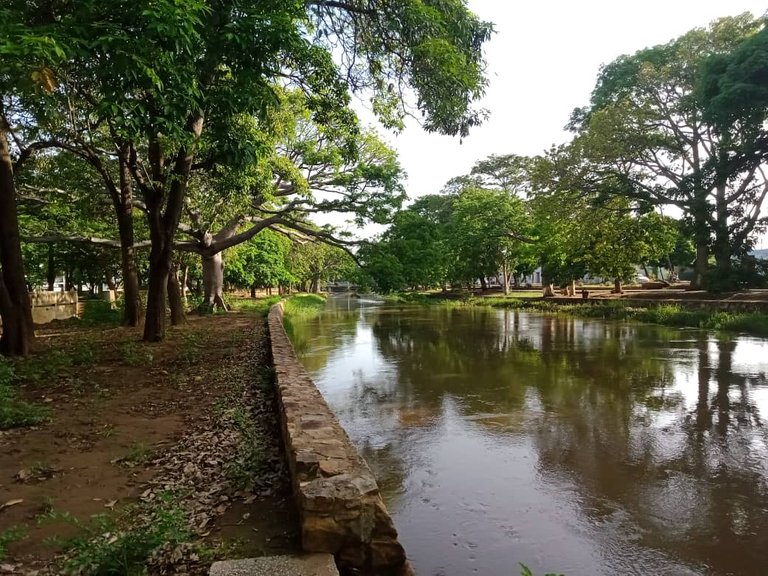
x=573, y=446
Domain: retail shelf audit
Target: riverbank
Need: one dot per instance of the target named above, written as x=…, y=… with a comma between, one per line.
x=155, y=457
x=677, y=308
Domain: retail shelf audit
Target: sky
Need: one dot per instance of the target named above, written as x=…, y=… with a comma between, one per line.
x=543, y=62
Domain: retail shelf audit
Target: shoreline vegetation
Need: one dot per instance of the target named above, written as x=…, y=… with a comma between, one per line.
x=665, y=314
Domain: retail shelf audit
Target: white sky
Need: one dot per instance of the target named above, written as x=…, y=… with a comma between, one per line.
x=542, y=63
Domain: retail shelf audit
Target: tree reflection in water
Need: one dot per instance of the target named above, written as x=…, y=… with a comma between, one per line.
x=655, y=434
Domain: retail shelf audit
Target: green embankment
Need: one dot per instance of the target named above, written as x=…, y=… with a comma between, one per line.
x=665, y=314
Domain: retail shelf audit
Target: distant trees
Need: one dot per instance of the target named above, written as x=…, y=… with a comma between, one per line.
x=677, y=128
x=651, y=127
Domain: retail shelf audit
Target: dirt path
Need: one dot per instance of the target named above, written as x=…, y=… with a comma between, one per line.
x=129, y=421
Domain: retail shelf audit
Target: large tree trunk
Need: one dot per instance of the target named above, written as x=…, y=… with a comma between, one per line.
x=15, y=306
x=722, y=241
x=213, y=282
x=184, y=279
x=483, y=284
x=617, y=286
x=701, y=264
x=124, y=211
x=175, y=300
x=505, y=278
x=163, y=224
x=157, y=288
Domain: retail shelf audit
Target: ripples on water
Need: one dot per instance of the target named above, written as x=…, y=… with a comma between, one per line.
x=577, y=446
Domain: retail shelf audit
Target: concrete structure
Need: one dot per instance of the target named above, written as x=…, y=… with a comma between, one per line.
x=50, y=306
x=339, y=503
x=309, y=565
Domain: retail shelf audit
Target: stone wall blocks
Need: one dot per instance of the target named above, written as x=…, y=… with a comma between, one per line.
x=337, y=495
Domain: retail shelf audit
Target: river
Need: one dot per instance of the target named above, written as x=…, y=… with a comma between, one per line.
x=574, y=446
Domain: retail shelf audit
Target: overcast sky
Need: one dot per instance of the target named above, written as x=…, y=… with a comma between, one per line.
x=542, y=63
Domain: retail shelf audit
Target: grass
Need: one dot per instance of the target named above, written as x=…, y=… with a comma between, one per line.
x=138, y=455
x=124, y=542
x=259, y=305
x=136, y=353
x=8, y=536
x=15, y=413
x=304, y=305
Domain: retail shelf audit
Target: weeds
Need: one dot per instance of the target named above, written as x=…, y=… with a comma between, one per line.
x=100, y=312
x=15, y=413
x=136, y=354
x=249, y=460
x=191, y=346
x=139, y=455
x=8, y=536
x=122, y=543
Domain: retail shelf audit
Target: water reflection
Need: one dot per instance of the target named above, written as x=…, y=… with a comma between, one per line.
x=579, y=446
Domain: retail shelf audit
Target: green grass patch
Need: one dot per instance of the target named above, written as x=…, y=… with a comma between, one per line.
x=137, y=353
x=258, y=305
x=122, y=543
x=15, y=413
x=100, y=312
x=304, y=305
x=9, y=536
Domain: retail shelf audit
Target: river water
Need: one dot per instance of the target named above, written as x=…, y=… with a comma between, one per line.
x=574, y=446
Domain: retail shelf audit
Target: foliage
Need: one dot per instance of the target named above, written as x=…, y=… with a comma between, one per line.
x=665, y=314
x=260, y=262
x=97, y=311
x=644, y=129
x=491, y=231
x=314, y=262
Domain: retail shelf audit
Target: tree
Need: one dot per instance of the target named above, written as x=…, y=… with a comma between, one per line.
x=490, y=231
x=170, y=74
x=25, y=68
x=308, y=168
x=645, y=127
x=508, y=172
x=419, y=240
x=261, y=262
x=314, y=262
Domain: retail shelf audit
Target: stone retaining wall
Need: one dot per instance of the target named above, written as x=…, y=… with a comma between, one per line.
x=338, y=499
